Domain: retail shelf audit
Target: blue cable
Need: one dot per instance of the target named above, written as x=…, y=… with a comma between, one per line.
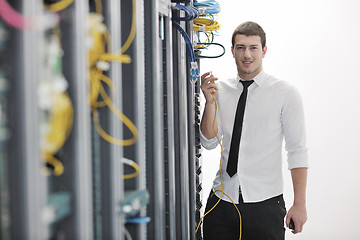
x=206, y=3
x=212, y=7
x=191, y=12
x=184, y=1
x=187, y=40
x=138, y=220
x=194, y=66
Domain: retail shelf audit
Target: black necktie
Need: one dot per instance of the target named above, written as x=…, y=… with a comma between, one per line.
x=231, y=168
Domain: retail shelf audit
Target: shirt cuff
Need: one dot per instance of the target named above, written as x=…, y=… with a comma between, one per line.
x=210, y=143
x=298, y=159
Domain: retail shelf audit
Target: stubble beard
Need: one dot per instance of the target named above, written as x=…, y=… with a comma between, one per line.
x=242, y=71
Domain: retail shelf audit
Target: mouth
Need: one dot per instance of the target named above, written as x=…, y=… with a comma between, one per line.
x=247, y=62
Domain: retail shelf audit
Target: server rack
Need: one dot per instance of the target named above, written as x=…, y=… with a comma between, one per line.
x=169, y=127
x=41, y=206
x=181, y=139
x=154, y=122
x=32, y=193
x=108, y=188
x=83, y=144
x=198, y=162
x=133, y=97
x=91, y=200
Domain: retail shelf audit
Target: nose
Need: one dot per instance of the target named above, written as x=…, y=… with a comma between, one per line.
x=247, y=53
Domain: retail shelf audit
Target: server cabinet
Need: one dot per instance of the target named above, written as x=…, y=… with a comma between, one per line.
x=133, y=97
x=129, y=80
x=48, y=197
x=184, y=136
x=169, y=128
x=154, y=122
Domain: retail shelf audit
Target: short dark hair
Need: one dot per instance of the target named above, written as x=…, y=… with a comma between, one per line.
x=250, y=29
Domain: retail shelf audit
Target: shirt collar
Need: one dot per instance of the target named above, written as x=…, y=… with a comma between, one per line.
x=258, y=79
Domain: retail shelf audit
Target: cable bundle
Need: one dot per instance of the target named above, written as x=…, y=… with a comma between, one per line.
x=193, y=64
x=211, y=7
x=203, y=22
x=206, y=24
x=191, y=12
x=56, y=101
x=60, y=125
x=57, y=109
x=99, y=58
x=100, y=54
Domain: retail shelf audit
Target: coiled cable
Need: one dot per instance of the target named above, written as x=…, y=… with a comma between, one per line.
x=221, y=179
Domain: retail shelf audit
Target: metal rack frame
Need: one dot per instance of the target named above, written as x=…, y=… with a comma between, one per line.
x=154, y=122
x=154, y=91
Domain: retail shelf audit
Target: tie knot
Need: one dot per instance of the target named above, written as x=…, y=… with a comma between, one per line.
x=246, y=84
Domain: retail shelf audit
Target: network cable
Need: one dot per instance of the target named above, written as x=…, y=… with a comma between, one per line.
x=187, y=41
x=59, y=6
x=209, y=39
x=194, y=69
x=138, y=220
x=61, y=112
x=60, y=125
x=130, y=38
x=206, y=24
x=127, y=234
x=191, y=12
x=221, y=179
x=19, y=21
x=12, y=17
x=208, y=7
x=132, y=164
x=205, y=46
x=99, y=57
x=183, y=1
x=56, y=104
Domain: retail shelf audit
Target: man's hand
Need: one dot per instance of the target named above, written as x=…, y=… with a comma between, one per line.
x=298, y=214
x=208, y=87
x=298, y=211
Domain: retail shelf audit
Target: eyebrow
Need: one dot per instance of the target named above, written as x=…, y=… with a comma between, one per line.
x=252, y=45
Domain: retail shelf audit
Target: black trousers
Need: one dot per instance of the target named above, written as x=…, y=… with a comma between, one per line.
x=260, y=221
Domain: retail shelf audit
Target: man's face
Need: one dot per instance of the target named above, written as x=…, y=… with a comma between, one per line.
x=248, y=54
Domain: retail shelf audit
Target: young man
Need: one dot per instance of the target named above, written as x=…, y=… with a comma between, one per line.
x=255, y=111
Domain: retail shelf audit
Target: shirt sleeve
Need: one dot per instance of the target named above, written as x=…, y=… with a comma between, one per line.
x=210, y=143
x=293, y=123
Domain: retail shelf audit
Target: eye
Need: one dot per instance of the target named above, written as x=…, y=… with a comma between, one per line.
x=254, y=48
x=239, y=47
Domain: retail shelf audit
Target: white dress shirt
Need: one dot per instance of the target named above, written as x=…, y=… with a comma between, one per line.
x=274, y=110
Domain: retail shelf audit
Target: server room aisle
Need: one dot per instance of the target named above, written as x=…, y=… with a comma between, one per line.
x=99, y=118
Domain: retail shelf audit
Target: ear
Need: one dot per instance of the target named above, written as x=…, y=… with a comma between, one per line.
x=264, y=51
x=232, y=51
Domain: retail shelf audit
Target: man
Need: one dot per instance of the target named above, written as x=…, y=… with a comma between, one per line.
x=251, y=167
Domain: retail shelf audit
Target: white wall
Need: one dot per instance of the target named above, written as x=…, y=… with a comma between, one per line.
x=315, y=45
